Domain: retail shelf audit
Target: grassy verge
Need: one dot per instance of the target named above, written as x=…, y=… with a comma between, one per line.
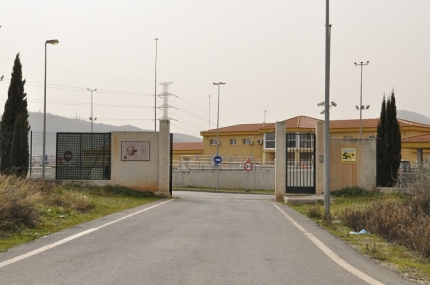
x=29, y=210
x=379, y=214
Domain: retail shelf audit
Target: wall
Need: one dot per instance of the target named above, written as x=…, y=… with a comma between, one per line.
x=138, y=175
x=228, y=179
x=361, y=173
x=148, y=168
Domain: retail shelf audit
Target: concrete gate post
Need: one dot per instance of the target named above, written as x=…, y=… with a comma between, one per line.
x=163, y=158
x=280, y=161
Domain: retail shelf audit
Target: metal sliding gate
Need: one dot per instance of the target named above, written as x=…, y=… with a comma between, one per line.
x=83, y=156
x=300, y=163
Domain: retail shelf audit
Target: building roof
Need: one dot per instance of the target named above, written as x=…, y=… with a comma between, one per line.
x=188, y=146
x=297, y=122
x=369, y=123
x=240, y=128
x=305, y=122
x=418, y=138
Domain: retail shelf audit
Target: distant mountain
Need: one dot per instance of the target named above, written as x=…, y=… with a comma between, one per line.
x=56, y=124
x=412, y=116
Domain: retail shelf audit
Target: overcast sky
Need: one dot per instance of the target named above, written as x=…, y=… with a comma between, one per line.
x=269, y=53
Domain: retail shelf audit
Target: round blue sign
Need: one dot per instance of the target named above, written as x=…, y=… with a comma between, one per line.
x=217, y=159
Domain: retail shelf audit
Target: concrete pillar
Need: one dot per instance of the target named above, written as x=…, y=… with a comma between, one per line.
x=163, y=158
x=319, y=158
x=281, y=161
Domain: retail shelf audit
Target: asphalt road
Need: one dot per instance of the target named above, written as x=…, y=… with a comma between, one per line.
x=198, y=238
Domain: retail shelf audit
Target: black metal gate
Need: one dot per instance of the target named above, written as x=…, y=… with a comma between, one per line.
x=83, y=156
x=300, y=163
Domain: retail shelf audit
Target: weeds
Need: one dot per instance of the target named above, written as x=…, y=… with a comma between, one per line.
x=30, y=209
x=402, y=221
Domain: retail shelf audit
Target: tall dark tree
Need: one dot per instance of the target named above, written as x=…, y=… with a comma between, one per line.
x=381, y=154
x=14, y=126
x=389, y=143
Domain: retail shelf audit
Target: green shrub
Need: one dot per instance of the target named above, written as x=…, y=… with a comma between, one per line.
x=125, y=191
x=351, y=192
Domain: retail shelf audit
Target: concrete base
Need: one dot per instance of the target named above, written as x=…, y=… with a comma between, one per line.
x=303, y=199
x=388, y=190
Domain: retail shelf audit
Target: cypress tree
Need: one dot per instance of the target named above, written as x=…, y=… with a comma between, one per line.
x=394, y=140
x=380, y=135
x=389, y=144
x=14, y=134
x=19, y=150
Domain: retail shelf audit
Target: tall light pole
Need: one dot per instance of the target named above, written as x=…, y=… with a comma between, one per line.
x=361, y=89
x=217, y=127
x=51, y=42
x=217, y=117
x=327, y=114
x=92, y=117
x=155, y=94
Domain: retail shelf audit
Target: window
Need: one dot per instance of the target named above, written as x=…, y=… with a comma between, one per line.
x=232, y=141
x=247, y=141
x=269, y=140
x=213, y=142
x=291, y=140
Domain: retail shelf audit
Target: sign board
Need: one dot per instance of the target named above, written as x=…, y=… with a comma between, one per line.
x=248, y=166
x=217, y=159
x=68, y=155
x=348, y=155
x=135, y=150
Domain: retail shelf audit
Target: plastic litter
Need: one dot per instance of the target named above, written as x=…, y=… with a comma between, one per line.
x=362, y=232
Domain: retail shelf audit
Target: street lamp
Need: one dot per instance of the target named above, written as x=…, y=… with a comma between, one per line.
x=217, y=126
x=92, y=117
x=155, y=93
x=332, y=104
x=361, y=90
x=51, y=42
x=217, y=117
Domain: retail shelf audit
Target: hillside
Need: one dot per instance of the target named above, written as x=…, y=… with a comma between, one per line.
x=56, y=124
x=412, y=116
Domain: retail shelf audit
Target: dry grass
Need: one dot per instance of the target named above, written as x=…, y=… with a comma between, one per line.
x=398, y=225
x=29, y=209
x=17, y=202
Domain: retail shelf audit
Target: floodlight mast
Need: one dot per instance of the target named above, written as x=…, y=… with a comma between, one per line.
x=361, y=91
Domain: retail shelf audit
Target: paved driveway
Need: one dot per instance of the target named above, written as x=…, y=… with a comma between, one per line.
x=198, y=238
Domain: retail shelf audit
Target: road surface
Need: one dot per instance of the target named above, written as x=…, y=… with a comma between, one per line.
x=197, y=238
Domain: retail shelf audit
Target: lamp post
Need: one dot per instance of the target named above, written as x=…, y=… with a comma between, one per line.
x=51, y=42
x=92, y=117
x=361, y=89
x=217, y=117
x=155, y=94
x=217, y=135
x=332, y=104
x=327, y=113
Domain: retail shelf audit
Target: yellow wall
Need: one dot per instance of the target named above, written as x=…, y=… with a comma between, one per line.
x=225, y=148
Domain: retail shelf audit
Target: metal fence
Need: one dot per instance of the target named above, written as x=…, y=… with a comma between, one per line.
x=189, y=162
x=83, y=156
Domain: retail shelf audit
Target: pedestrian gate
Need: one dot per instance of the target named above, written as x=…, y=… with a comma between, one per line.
x=300, y=176
x=83, y=156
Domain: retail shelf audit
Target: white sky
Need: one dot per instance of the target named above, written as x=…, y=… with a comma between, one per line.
x=270, y=53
